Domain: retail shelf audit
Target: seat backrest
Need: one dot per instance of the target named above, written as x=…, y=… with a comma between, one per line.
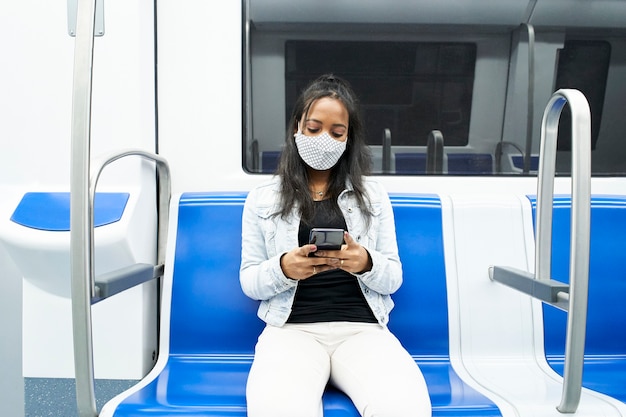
x=606, y=311
x=211, y=315
x=420, y=316
x=209, y=312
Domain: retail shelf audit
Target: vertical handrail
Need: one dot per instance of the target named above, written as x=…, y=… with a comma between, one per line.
x=579, y=224
x=530, y=97
x=386, y=151
x=82, y=194
x=80, y=237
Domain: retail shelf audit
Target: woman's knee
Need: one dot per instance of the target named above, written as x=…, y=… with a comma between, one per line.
x=416, y=405
x=280, y=405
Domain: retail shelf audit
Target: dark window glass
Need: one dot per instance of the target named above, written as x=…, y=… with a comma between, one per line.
x=583, y=65
x=408, y=87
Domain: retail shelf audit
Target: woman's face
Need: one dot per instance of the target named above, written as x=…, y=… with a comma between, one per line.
x=326, y=115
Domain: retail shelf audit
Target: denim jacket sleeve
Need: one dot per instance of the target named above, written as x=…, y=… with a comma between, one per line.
x=260, y=274
x=385, y=277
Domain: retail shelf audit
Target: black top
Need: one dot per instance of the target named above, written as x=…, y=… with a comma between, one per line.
x=332, y=295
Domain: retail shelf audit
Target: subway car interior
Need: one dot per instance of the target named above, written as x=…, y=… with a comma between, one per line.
x=133, y=131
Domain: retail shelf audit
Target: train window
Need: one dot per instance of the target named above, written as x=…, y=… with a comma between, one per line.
x=583, y=65
x=410, y=88
x=407, y=88
x=465, y=86
x=594, y=66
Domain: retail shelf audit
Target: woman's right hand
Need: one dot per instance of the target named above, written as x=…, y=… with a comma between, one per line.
x=297, y=264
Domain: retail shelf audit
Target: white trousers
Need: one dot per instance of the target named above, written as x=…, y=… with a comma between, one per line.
x=293, y=364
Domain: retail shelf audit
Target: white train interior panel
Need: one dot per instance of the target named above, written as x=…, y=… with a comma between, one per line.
x=132, y=132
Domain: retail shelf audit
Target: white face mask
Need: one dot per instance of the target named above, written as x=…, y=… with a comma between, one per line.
x=319, y=152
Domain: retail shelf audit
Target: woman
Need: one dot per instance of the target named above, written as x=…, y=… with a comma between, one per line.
x=326, y=311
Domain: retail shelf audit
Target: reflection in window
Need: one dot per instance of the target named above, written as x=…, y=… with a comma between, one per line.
x=410, y=88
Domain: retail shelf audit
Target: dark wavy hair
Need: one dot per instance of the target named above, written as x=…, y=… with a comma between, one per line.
x=351, y=167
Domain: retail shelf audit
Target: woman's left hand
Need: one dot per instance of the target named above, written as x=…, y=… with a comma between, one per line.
x=352, y=257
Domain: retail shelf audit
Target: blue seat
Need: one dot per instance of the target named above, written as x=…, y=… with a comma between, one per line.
x=604, y=367
x=410, y=163
x=269, y=161
x=518, y=162
x=469, y=163
x=51, y=211
x=213, y=326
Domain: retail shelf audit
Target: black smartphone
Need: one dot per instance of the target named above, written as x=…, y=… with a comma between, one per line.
x=326, y=239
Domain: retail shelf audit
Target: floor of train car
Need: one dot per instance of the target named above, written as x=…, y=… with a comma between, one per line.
x=56, y=397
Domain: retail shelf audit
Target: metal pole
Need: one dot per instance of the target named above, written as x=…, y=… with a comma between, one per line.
x=434, y=153
x=530, y=97
x=80, y=235
x=580, y=229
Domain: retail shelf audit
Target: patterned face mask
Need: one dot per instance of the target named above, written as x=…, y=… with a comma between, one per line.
x=319, y=152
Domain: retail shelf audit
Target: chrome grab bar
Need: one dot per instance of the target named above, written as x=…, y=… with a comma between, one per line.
x=165, y=187
x=434, y=152
x=84, y=291
x=579, y=224
x=530, y=30
x=572, y=297
x=81, y=208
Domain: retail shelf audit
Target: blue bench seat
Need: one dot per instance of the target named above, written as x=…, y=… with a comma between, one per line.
x=211, y=327
x=457, y=163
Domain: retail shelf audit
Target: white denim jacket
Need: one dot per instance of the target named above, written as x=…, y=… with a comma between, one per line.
x=265, y=237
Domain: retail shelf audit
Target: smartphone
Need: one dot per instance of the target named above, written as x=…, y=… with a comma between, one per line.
x=326, y=239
